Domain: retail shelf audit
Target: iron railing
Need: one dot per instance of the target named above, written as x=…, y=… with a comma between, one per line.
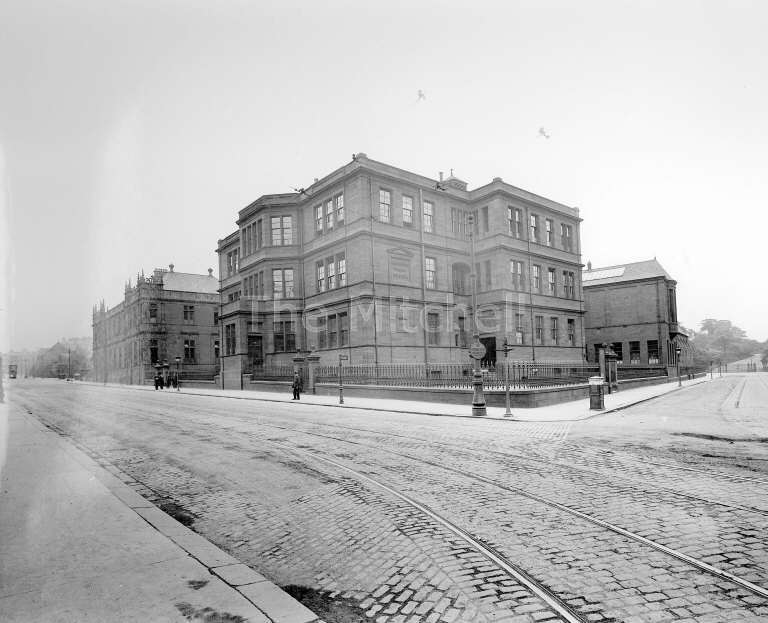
x=522, y=374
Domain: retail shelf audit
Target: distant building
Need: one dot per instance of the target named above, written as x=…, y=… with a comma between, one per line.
x=373, y=261
x=165, y=316
x=633, y=307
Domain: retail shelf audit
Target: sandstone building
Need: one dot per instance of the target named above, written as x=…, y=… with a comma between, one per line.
x=374, y=262
x=165, y=316
x=633, y=307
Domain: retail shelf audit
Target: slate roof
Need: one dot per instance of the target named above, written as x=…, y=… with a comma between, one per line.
x=648, y=269
x=190, y=282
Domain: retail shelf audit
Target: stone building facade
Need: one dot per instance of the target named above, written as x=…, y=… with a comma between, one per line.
x=633, y=307
x=165, y=316
x=374, y=262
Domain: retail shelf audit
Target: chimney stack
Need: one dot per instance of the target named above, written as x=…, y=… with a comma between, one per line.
x=441, y=176
x=210, y=272
x=171, y=266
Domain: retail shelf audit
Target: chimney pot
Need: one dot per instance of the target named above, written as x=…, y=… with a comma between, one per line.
x=441, y=176
x=171, y=266
x=210, y=272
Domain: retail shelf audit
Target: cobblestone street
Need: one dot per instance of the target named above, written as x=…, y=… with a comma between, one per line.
x=654, y=513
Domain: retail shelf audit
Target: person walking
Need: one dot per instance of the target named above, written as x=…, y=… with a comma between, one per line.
x=297, y=385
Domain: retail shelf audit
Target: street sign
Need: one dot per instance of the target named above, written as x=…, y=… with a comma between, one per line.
x=477, y=350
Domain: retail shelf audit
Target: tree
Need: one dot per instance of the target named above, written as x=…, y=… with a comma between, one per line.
x=723, y=341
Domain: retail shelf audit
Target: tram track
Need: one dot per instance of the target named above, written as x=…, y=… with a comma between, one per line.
x=569, y=467
x=489, y=551
x=697, y=563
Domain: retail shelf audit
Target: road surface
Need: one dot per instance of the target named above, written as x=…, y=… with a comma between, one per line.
x=655, y=513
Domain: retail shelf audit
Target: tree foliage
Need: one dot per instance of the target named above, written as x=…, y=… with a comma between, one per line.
x=721, y=340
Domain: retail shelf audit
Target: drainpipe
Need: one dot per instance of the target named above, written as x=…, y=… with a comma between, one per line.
x=422, y=270
x=530, y=282
x=373, y=277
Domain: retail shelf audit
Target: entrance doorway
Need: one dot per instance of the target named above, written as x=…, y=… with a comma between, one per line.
x=489, y=361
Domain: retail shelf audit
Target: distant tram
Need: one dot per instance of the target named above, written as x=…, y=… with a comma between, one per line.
x=12, y=369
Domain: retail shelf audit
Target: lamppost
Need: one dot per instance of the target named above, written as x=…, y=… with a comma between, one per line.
x=178, y=373
x=341, y=379
x=477, y=349
x=711, y=371
x=678, y=350
x=506, y=347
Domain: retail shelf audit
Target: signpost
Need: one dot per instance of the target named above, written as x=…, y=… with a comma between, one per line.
x=506, y=347
x=341, y=379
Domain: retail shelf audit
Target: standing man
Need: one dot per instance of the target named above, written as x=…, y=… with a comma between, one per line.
x=297, y=385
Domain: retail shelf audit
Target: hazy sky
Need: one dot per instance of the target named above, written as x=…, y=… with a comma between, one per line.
x=131, y=133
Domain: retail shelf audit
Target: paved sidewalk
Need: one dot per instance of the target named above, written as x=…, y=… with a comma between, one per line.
x=77, y=544
x=567, y=411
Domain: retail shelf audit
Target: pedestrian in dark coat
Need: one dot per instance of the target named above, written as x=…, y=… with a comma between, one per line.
x=297, y=386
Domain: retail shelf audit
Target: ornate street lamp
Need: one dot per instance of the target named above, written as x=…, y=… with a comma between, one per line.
x=477, y=349
x=341, y=379
x=506, y=347
x=678, y=350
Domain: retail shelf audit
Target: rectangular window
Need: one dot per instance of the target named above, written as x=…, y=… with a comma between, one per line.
x=282, y=283
x=618, y=348
x=516, y=270
x=229, y=336
x=282, y=230
x=634, y=353
x=189, y=314
x=488, y=277
x=320, y=269
x=152, y=312
x=261, y=283
x=653, y=352
x=534, y=228
x=484, y=219
x=461, y=335
x=343, y=329
x=433, y=328
x=549, y=226
x=215, y=317
x=259, y=233
x=329, y=214
x=551, y=278
x=331, y=273
x=319, y=218
x=332, y=331
x=153, y=351
x=569, y=284
x=429, y=214
x=566, y=236
x=277, y=283
x=341, y=270
x=339, y=201
x=284, y=334
x=189, y=350
x=553, y=330
x=407, y=210
x=515, y=218
x=385, y=206
x=216, y=349
x=430, y=270
x=322, y=333
x=539, y=334
x=571, y=332
x=536, y=279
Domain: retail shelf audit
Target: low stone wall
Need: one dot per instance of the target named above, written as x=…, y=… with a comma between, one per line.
x=534, y=397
